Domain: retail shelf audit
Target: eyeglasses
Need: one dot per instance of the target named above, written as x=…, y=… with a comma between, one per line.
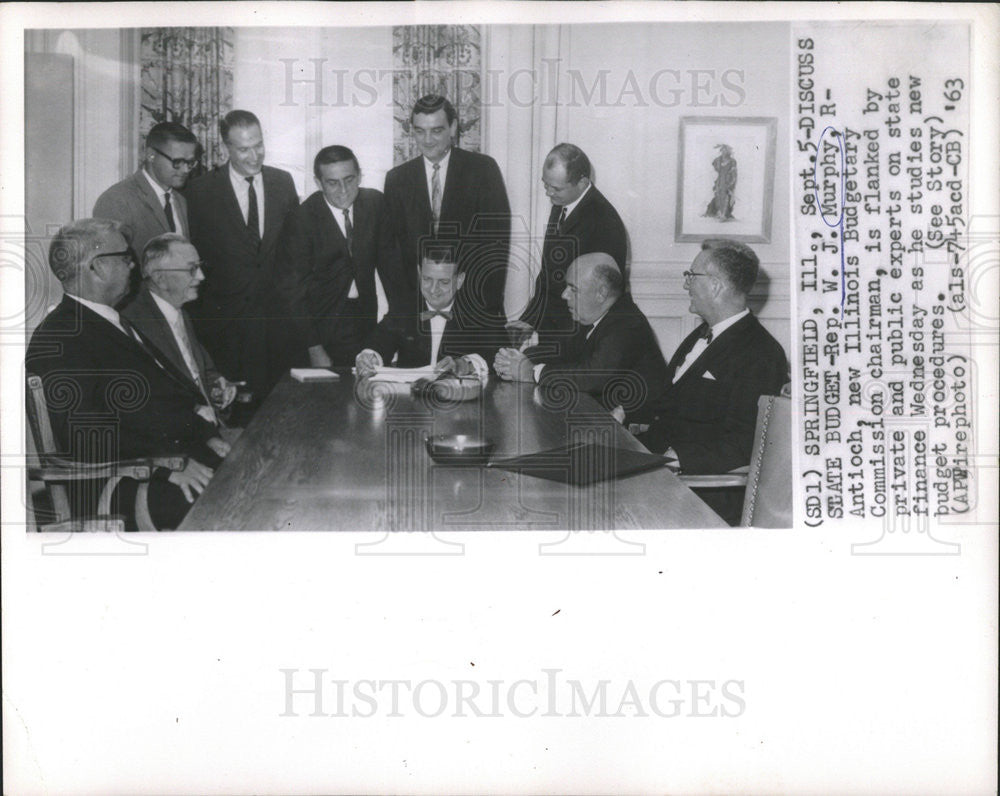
x=191, y=270
x=689, y=275
x=125, y=255
x=177, y=163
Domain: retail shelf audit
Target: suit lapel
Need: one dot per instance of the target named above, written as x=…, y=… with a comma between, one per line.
x=224, y=188
x=272, y=216
x=148, y=197
x=418, y=188
x=716, y=350
x=159, y=332
x=452, y=184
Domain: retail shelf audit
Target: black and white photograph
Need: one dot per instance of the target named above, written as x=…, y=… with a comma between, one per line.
x=509, y=397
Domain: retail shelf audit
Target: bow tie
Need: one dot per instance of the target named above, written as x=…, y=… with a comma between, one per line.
x=426, y=315
x=707, y=334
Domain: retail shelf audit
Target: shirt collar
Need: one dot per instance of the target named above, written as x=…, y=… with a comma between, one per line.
x=170, y=312
x=721, y=326
x=443, y=163
x=158, y=189
x=572, y=205
x=240, y=182
x=109, y=314
x=443, y=309
x=338, y=212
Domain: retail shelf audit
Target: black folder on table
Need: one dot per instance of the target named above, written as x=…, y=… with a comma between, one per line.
x=582, y=463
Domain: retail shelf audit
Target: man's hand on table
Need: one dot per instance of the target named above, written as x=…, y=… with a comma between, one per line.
x=192, y=480
x=219, y=446
x=511, y=365
x=366, y=363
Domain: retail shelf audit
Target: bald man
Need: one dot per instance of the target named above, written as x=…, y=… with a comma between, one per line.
x=620, y=362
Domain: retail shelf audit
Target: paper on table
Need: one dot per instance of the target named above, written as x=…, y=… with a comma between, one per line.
x=402, y=375
x=313, y=374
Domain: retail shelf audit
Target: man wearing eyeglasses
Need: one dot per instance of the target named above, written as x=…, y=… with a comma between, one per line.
x=171, y=271
x=148, y=203
x=706, y=416
x=110, y=394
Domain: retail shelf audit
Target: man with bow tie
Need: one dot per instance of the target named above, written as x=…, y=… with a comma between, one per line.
x=110, y=394
x=706, y=416
x=448, y=327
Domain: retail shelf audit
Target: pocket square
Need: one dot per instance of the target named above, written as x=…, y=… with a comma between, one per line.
x=708, y=375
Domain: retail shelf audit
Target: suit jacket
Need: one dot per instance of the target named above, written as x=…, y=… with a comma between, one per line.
x=316, y=269
x=709, y=420
x=145, y=315
x=466, y=332
x=236, y=309
x=475, y=220
x=620, y=364
x=134, y=203
x=593, y=226
x=96, y=377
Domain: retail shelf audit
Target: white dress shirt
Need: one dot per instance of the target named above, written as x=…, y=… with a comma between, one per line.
x=110, y=314
x=572, y=205
x=242, y=189
x=176, y=323
x=338, y=216
x=701, y=344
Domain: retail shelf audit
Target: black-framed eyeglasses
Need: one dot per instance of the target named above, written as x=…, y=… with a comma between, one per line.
x=191, y=270
x=176, y=162
x=125, y=255
x=692, y=274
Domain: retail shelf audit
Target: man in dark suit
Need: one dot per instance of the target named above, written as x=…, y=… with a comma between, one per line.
x=707, y=415
x=125, y=401
x=446, y=332
x=452, y=196
x=147, y=203
x=171, y=271
x=237, y=212
x=581, y=222
x=330, y=250
x=619, y=361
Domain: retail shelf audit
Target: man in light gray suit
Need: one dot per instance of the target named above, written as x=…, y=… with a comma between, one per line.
x=147, y=203
x=171, y=271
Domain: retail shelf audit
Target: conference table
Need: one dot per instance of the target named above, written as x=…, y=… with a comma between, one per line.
x=350, y=455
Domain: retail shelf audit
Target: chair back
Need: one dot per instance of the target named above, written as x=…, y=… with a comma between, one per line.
x=45, y=445
x=768, y=500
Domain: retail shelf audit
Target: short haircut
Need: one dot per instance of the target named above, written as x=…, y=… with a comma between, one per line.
x=75, y=244
x=236, y=119
x=158, y=248
x=439, y=255
x=573, y=159
x=333, y=154
x=610, y=276
x=432, y=103
x=163, y=133
x=736, y=262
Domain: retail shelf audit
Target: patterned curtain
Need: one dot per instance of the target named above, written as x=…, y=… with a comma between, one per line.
x=436, y=59
x=187, y=77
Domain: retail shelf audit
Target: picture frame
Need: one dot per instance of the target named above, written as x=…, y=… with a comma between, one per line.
x=725, y=178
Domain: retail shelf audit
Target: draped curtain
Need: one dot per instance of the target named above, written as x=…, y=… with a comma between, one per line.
x=187, y=77
x=436, y=59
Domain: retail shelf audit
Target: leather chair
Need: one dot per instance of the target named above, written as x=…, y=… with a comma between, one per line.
x=55, y=472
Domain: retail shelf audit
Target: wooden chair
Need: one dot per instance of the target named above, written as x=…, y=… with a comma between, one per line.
x=767, y=501
x=55, y=472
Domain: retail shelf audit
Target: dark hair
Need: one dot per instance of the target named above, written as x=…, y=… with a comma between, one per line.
x=163, y=133
x=75, y=244
x=573, y=159
x=333, y=154
x=432, y=103
x=438, y=253
x=236, y=119
x=736, y=262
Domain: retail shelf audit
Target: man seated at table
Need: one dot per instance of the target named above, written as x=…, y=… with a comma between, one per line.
x=707, y=415
x=619, y=361
x=171, y=274
x=127, y=401
x=447, y=332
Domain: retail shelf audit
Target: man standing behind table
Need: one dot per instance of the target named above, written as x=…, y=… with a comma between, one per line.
x=581, y=222
x=118, y=384
x=237, y=212
x=171, y=271
x=619, y=360
x=147, y=203
x=445, y=332
x=330, y=250
x=706, y=416
x=453, y=196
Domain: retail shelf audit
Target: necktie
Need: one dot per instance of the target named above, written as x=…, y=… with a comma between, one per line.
x=253, y=219
x=349, y=230
x=561, y=221
x=168, y=211
x=426, y=315
x=181, y=334
x=707, y=335
x=436, y=196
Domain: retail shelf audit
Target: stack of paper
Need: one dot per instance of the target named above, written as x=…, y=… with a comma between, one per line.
x=402, y=375
x=313, y=374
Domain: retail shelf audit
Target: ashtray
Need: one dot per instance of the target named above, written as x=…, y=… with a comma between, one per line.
x=459, y=448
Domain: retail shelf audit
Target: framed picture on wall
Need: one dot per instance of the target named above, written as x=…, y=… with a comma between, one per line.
x=725, y=178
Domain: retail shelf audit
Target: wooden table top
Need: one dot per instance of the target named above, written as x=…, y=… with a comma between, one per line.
x=349, y=455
